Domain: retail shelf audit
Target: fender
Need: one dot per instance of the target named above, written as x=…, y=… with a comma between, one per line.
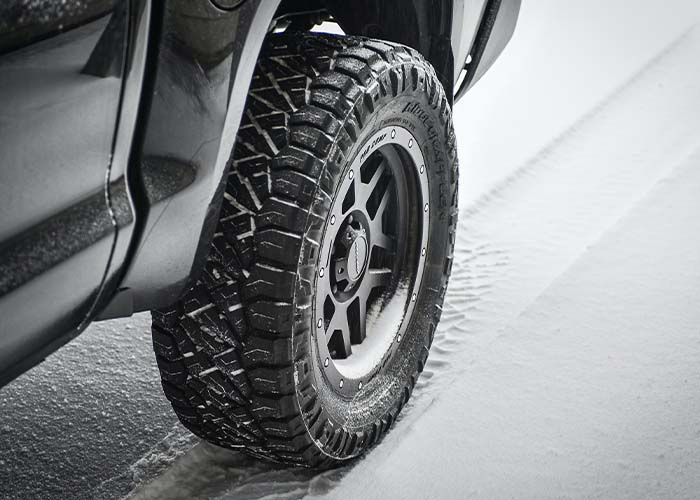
x=200, y=64
x=424, y=25
x=496, y=28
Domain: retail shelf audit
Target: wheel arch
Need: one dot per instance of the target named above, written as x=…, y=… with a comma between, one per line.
x=183, y=142
x=425, y=26
x=199, y=66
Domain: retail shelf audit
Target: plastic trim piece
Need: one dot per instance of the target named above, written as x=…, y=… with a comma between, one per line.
x=497, y=27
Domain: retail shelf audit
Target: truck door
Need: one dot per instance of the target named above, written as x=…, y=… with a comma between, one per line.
x=61, y=72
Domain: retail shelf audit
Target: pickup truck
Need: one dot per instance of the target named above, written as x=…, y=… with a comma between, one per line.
x=283, y=200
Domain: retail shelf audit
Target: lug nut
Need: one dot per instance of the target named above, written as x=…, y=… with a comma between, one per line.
x=332, y=220
x=321, y=272
x=351, y=174
x=325, y=363
x=320, y=322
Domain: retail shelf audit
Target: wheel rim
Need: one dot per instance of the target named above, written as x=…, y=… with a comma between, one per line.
x=371, y=260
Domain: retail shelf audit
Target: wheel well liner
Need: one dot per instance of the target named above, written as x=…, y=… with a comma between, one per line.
x=423, y=25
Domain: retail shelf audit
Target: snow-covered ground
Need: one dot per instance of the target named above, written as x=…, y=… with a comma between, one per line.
x=567, y=362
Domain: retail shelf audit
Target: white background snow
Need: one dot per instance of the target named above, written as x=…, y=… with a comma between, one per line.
x=567, y=363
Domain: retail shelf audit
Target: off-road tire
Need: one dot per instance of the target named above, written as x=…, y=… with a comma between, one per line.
x=235, y=352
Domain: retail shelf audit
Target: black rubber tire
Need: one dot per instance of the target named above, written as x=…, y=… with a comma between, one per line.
x=235, y=353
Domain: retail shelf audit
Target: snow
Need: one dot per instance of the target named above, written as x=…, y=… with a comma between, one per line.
x=565, y=58
x=73, y=426
x=566, y=362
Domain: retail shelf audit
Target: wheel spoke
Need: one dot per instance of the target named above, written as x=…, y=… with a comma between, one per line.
x=384, y=202
x=347, y=347
x=351, y=194
x=380, y=239
x=359, y=329
x=340, y=322
x=368, y=189
x=377, y=235
x=338, y=319
x=376, y=278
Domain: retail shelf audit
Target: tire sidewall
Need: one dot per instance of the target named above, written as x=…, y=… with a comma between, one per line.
x=380, y=400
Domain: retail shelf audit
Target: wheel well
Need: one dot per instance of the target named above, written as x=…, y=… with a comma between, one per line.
x=424, y=25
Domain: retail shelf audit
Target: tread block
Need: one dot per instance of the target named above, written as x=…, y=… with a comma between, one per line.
x=294, y=185
x=174, y=372
x=272, y=380
x=259, y=350
x=269, y=407
x=332, y=101
x=354, y=68
x=277, y=212
x=268, y=281
x=271, y=316
x=315, y=117
x=293, y=158
x=278, y=245
x=314, y=141
x=164, y=344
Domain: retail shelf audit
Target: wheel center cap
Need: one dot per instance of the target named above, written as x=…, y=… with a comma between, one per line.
x=357, y=258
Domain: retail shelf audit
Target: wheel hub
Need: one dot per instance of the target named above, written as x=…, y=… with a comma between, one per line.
x=357, y=258
x=351, y=254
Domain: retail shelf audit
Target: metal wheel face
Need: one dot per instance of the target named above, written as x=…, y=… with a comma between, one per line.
x=371, y=259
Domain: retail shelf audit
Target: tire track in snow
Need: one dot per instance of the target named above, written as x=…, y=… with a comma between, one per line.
x=536, y=222
x=539, y=159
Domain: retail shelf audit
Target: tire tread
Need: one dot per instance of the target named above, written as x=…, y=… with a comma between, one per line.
x=225, y=349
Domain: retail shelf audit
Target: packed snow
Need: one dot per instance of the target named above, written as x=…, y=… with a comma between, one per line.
x=566, y=362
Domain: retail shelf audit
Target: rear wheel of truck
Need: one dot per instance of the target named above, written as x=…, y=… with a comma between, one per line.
x=304, y=335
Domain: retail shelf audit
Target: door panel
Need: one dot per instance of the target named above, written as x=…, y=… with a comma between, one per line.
x=56, y=124
x=60, y=84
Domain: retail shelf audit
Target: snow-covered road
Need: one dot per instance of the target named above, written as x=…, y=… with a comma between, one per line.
x=567, y=361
